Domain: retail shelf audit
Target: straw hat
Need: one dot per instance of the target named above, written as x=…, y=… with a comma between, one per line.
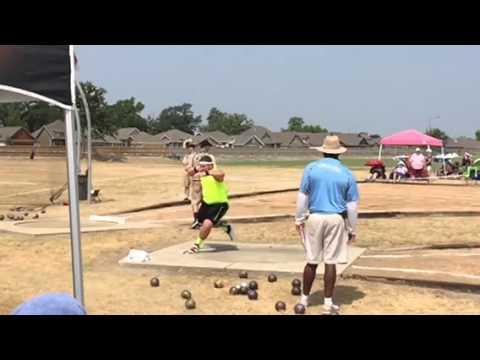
x=187, y=142
x=331, y=145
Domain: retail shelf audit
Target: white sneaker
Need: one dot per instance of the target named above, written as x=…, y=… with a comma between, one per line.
x=331, y=309
x=304, y=300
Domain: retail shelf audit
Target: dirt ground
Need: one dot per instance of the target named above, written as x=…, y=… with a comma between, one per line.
x=33, y=265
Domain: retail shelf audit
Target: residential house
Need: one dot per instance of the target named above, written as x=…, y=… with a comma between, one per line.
x=52, y=134
x=11, y=135
x=259, y=131
x=218, y=138
x=247, y=141
x=463, y=144
x=172, y=138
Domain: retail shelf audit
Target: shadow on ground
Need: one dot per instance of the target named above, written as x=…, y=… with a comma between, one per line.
x=344, y=295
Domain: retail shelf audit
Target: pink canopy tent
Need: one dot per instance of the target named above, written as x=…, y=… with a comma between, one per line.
x=410, y=138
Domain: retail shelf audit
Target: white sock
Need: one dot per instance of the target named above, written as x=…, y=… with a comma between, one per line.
x=328, y=302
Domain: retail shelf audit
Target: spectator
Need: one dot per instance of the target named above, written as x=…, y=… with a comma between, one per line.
x=418, y=163
x=51, y=304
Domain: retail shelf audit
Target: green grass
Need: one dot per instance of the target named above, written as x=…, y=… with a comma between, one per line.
x=351, y=162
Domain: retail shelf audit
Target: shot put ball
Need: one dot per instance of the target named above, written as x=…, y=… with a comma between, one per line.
x=280, y=306
x=244, y=289
x=36, y=217
x=252, y=295
x=296, y=283
x=253, y=285
x=154, y=282
x=299, y=309
x=187, y=295
x=243, y=275
x=44, y=211
x=2, y=217
x=296, y=291
x=233, y=291
x=20, y=218
x=10, y=217
x=272, y=278
x=26, y=214
x=218, y=284
x=190, y=304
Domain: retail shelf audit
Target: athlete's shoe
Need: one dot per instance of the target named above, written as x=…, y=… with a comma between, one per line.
x=195, y=249
x=331, y=309
x=230, y=232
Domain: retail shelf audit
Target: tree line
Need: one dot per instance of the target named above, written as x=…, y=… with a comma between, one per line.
x=108, y=118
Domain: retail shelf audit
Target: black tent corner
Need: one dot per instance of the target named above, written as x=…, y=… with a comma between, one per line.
x=38, y=72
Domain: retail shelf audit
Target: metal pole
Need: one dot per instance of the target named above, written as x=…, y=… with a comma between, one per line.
x=74, y=209
x=89, y=140
x=380, y=152
x=78, y=134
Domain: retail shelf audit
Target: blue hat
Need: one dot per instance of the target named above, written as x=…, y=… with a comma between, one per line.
x=51, y=304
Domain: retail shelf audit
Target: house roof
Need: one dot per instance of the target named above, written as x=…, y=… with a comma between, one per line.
x=257, y=130
x=56, y=130
x=9, y=131
x=241, y=140
x=285, y=138
x=143, y=137
x=197, y=140
x=218, y=136
x=172, y=136
x=315, y=139
x=463, y=142
x=126, y=133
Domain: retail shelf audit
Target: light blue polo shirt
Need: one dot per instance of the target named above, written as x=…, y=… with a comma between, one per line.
x=330, y=186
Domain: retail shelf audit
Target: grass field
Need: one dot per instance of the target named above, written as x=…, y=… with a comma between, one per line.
x=34, y=265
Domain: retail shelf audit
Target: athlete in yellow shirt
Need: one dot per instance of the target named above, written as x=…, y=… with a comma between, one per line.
x=214, y=204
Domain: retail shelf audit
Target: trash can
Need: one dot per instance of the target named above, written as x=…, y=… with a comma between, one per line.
x=83, y=187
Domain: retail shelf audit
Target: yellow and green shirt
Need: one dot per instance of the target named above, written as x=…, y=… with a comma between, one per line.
x=213, y=191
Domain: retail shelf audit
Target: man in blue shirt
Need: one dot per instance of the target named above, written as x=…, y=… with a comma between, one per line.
x=326, y=218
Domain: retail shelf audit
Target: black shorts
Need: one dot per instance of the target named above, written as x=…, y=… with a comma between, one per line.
x=214, y=212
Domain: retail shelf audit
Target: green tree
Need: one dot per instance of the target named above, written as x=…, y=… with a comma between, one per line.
x=96, y=98
x=438, y=134
x=477, y=135
x=37, y=114
x=179, y=117
x=127, y=113
x=29, y=115
x=230, y=124
x=11, y=114
x=297, y=124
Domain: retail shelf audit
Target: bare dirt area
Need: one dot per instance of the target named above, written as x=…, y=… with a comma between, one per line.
x=31, y=265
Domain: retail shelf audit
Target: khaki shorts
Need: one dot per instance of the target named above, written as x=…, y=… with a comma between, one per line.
x=326, y=239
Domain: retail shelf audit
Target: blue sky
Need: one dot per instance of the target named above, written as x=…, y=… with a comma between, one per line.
x=380, y=89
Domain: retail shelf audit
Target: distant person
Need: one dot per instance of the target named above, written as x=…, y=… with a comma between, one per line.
x=326, y=218
x=34, y=151
x=417, y=163
x=400, y=172
x=51, y=304
x=429, y=161
x=467, y=160
x=214, y=202
x=188, y=161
